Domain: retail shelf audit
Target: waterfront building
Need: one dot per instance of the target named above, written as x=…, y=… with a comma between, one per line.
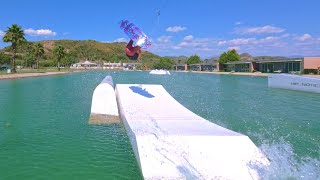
x=197, y=67
x=311, y=65
x=307, y=65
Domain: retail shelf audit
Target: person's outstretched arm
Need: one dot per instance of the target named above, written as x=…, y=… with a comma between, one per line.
x=130, y=43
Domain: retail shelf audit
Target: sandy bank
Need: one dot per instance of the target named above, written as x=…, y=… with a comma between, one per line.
x=26, y=75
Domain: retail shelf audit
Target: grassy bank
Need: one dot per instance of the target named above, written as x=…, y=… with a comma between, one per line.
x=24, y=73
x=41, y=70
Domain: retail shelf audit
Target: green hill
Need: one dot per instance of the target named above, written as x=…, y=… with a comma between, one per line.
x=79, y=51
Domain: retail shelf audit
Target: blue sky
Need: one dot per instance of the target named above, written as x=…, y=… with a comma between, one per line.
x=203, y=27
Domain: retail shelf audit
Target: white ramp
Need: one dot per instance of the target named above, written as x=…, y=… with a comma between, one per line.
x=171, y=142
x=104, y=108
x=294, y=82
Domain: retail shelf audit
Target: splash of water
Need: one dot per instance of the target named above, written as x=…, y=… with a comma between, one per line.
x=285, y=164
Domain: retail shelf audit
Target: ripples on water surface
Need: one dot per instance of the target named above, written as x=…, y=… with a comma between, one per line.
x=44, y=131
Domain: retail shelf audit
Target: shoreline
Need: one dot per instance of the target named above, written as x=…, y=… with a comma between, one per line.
x=32, y=74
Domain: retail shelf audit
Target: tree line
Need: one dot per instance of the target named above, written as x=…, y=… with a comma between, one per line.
x=15, y=35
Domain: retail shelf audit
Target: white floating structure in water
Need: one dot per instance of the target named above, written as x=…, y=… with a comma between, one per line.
x=104, y=108
x=171, y=142
x=294, y=82
x=160, y=72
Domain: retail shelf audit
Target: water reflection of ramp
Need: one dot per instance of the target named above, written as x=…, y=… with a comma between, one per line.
x=171, y=142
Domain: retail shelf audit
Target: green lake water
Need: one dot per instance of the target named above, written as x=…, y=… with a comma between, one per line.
x=44, y=131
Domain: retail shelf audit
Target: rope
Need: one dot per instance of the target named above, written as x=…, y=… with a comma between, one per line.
x=156, y=22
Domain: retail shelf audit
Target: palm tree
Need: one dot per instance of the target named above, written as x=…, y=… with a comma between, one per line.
x=38, y=51
x=59, y=53
x=15, y=35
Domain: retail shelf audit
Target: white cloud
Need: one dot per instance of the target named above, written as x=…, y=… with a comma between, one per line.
x=188, y=38
x=120, y=40
x=221, y=43
x=238, y=41
x=285, y=35
x=182, y=44
x=256, y=41
x=204, y=49
x=176, y=29
x=192, y=46
x=269, y=39
x=238, y=23
x=304, y=37
x=259, y=30
x=40, y=32
x=164, y=39
x=176, y=47
x=1, y=33
x=196, y=43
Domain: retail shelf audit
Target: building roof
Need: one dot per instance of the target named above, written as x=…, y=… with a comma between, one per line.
x=203, y=64
x=88, y=63
x=118, y=64
x=238, y=62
